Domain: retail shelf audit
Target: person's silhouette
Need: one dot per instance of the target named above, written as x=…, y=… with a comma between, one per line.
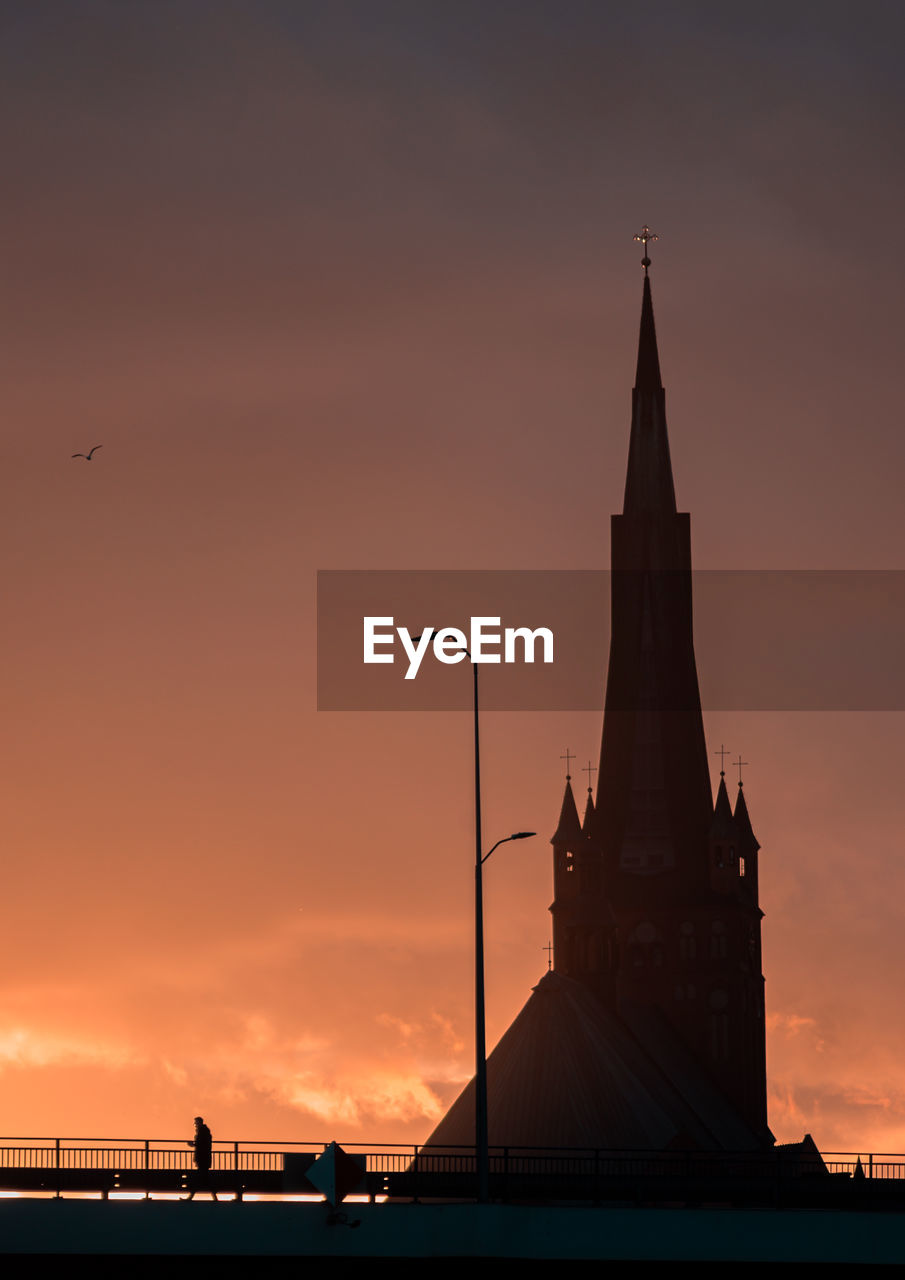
x=203, y=1143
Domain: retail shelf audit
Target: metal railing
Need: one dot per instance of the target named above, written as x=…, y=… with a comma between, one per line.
x=249, y=1167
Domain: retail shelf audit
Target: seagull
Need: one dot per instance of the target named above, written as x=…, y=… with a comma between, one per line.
x=87, y=456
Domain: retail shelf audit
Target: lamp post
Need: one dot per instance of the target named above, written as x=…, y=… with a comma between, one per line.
x=482, y=1142
x=482, y=1149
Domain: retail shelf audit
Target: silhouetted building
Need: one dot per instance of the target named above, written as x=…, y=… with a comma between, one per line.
x=649, y=1031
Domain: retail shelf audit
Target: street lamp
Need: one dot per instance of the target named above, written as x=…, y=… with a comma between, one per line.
x=482, y=1141
x=482, y=1151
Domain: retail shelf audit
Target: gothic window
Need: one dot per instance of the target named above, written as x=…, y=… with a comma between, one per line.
x=741, y=867
x=719, y=944
x=645, y=945
x=688, y=947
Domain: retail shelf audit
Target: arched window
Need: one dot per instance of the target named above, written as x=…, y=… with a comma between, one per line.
x=688, y=947
x=645, y=945
x=719, y=943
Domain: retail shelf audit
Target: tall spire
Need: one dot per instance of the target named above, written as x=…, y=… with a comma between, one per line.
x=647, y=373
x=654, y=801
x=648, y=483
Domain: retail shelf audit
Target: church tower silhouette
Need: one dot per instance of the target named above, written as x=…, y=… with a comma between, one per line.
x=649, y=1030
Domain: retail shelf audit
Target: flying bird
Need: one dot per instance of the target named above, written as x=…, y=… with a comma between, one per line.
x=87, y=456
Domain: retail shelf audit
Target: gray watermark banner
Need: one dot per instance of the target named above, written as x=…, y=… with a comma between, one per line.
x=764, y=640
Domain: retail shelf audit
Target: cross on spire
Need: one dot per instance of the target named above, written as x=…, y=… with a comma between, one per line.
x=568, y=757
x=644, y=236
x=549, y=950
x=738, y=764
x=589, y=769
x=723, y=753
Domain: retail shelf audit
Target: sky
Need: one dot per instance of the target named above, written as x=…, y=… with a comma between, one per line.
x=353, y=286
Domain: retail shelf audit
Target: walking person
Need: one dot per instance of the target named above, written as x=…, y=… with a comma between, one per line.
x=203, y=1156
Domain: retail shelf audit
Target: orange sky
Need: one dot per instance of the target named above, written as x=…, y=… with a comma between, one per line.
x=355, y=288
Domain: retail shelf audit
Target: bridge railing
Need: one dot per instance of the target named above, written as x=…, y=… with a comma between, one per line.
x=175, y=1154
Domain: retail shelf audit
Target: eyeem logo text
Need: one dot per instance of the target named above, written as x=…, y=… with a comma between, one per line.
x=482, y=643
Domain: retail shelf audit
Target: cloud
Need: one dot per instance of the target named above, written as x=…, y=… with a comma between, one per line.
x=791, y=1025
x=386, y=1095
x=23, y=1046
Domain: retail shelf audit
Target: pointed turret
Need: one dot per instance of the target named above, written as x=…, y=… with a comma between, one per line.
x=748, y=846
x=587, y=825
x=752, y=1034
x=723, y=842
x=745, y=831
x=722, y=827
x=568, y=833
x=578, y=936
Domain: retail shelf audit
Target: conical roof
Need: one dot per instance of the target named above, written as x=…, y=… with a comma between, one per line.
x=743, y=821
x=588, y=820
x=723, y=825
x=569, y=829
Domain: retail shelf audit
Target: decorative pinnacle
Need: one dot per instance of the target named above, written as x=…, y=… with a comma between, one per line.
x=644, y=236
